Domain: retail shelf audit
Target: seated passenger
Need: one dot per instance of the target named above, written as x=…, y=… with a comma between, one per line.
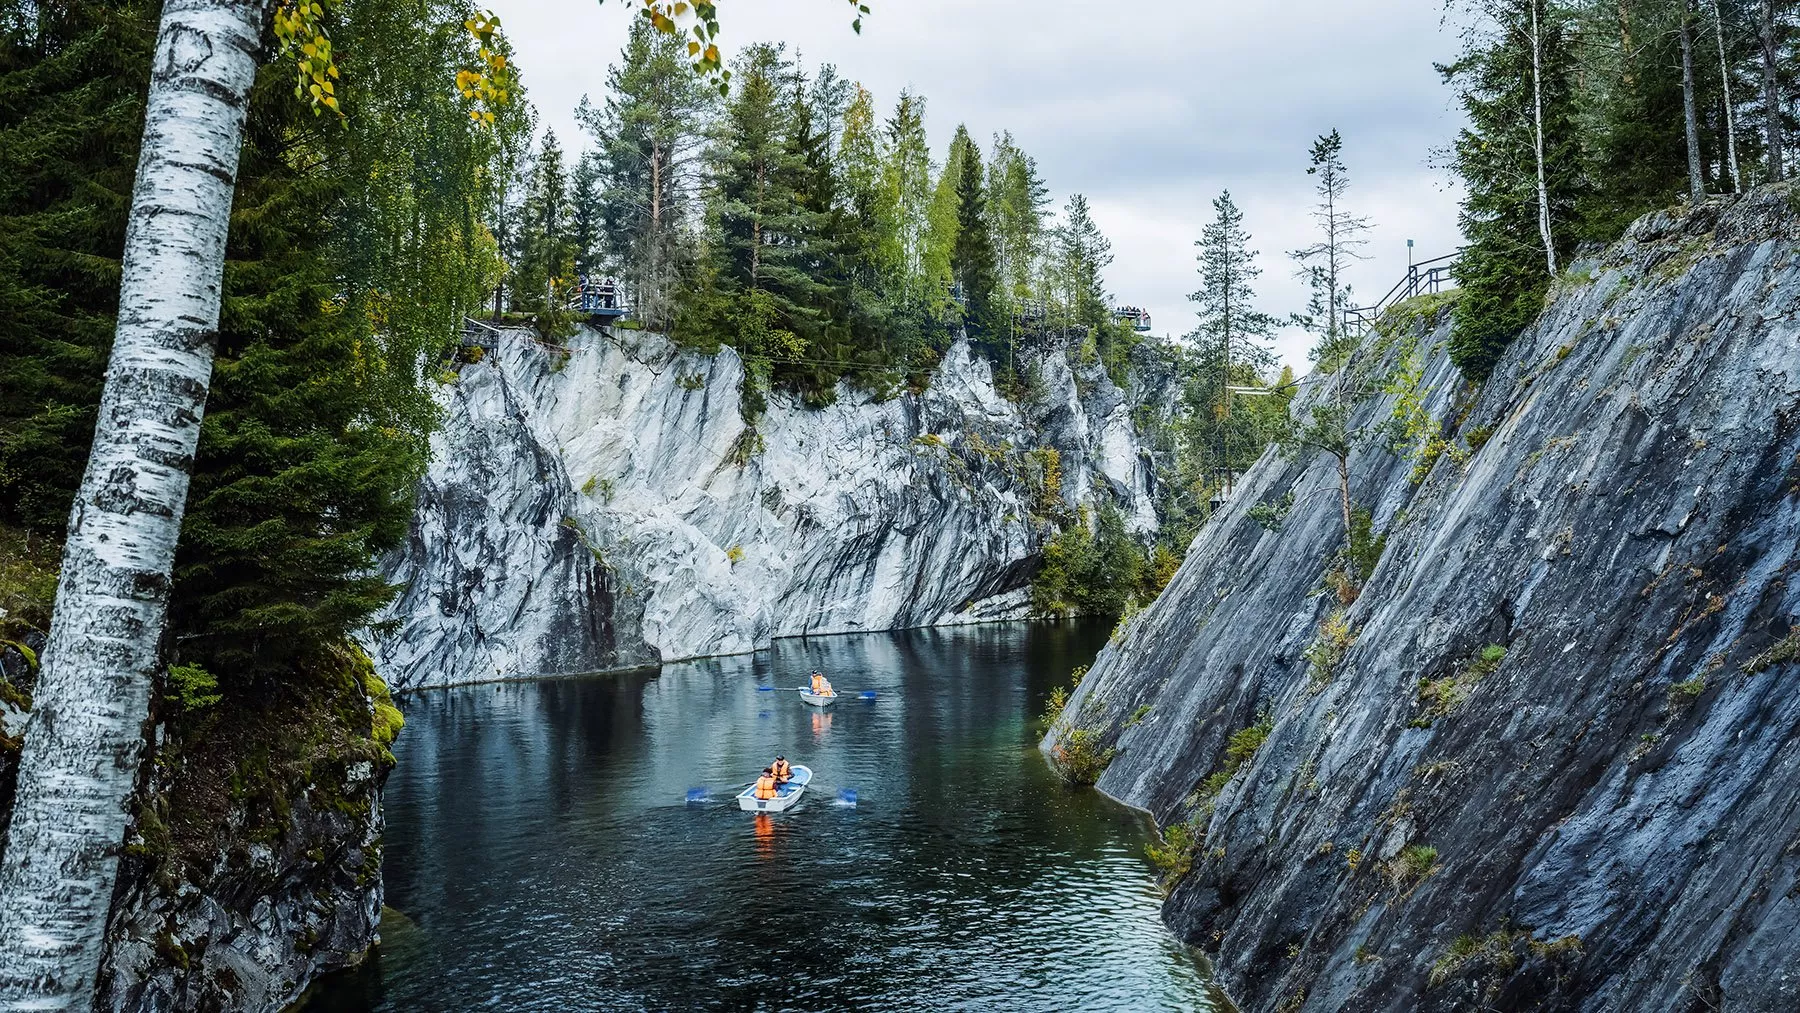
x=765, y=785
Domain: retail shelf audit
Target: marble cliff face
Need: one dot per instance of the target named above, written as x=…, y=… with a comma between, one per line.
x=609, y=506
x=1550, y=758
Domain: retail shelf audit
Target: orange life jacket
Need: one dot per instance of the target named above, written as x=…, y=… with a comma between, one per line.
x=782, y=770
x=821, y=686
x=765, y=787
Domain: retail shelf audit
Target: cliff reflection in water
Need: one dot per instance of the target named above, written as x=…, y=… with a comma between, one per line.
x=540, y=845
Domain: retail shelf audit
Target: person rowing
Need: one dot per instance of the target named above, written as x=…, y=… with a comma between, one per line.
x=766, y=785
x=784, y=772
x=821, y=686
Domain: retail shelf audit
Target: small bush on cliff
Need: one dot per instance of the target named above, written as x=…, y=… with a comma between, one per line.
x=1242, y=745
x=1783, y=651
x=1335, y=638
x=1270, y=514
x=1175, y=853
x=1411, y=865
x=1093, y=571
x=1503, y=951
x=1079, y=756
x=1439, y=698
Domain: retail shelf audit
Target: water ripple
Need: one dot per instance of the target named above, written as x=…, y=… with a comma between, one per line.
x=544, y=855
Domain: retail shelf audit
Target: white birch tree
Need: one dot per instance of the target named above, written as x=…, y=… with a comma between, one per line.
x=1537, y=137
x=85, y=738
x=1731, y=155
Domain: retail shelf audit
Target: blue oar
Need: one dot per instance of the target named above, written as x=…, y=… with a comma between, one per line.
x=704, y=794
x=864, y=694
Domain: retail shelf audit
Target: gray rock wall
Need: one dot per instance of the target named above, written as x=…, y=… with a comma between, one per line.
x=1609, y=818
x=606, y=507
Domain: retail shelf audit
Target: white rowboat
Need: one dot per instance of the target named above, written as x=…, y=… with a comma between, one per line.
x=786, y=795
x=818, y=700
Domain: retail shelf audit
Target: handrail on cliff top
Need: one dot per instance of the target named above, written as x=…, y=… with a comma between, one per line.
x=1427, y=277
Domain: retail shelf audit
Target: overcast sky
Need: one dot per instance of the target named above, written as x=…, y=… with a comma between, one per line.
x=1149, y=119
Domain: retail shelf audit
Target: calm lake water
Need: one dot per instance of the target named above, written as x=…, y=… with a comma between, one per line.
x=541, y=853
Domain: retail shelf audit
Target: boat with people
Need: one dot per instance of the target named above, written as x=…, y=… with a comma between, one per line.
x=786, y=793
x=819, y=693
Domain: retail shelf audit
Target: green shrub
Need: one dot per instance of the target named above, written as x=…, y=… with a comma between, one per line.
x=1500, y=951
x=1087, y=571
x=1784, y=650
x=1174, y=854
x=1365, y=547
x=1412, y=864
x=1686, y=692
x=1439, y=698
x=1334, y=639
x=1080, y=758
x=191, y=688
x=1270, y=514
x=1239, y=748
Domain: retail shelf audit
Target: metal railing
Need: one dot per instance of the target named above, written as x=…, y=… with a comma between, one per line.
x=1427, y=277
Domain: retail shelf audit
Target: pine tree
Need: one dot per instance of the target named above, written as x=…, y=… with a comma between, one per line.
x=1228, y=334
x=1082, y=253
x=1323, y=262
x=1017, y=199
x=650, y=133
x=544, y=276
x=972, y=261
x=1520, y=160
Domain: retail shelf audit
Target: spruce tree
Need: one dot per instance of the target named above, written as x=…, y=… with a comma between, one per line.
x=650, y=132
x=544, y=275
x=73, y=82
x=1503, y=276
x=1082, y=253
x=1229, y=347
x=586, y=229
x=972, y=259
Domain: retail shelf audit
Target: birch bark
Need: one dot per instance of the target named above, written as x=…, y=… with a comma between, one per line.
x=86, y=735
x=1537, y=136
x=1771, y=90
x=1690, y=119
x=1731, y=161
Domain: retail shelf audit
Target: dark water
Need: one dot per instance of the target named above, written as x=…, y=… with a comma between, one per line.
x=543, y=856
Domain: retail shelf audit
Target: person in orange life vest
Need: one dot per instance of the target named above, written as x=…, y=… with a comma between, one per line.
x=765, y=785
x=783, y=771
x=821, y=686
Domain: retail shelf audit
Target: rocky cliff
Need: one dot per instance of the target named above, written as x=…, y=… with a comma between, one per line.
x=1548, y=755
x=608, y=505
x=254, y=861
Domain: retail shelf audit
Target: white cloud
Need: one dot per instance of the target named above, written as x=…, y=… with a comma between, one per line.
x=1150, y=110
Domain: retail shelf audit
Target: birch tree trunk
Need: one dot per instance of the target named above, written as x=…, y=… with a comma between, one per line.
x=1731, y=162
x=1696, y=184
x=1771, y=90
x=1537, y=136
x=84, y=742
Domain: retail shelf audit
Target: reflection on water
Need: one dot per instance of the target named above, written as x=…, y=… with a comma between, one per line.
x=541, y=852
